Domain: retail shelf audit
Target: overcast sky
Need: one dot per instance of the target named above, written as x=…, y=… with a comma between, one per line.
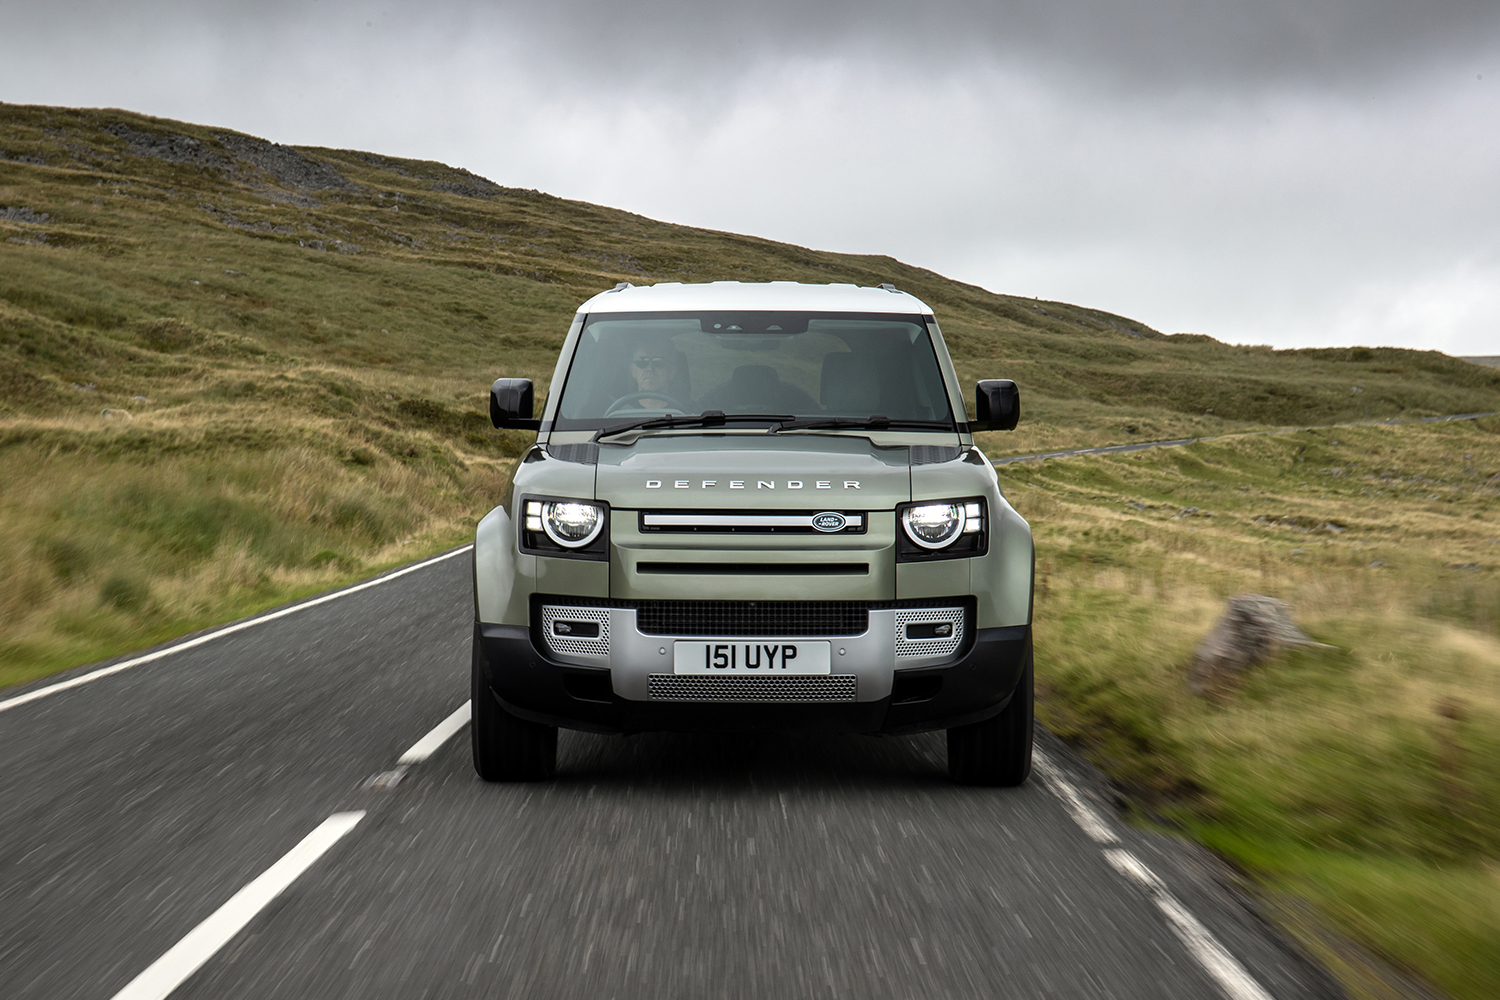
x=1263, y=171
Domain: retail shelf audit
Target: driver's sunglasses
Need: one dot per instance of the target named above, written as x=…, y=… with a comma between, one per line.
x=660, y=364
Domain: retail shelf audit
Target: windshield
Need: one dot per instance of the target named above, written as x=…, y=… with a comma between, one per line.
x=635, y=366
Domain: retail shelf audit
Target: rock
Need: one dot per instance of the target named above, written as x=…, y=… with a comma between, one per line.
x=1252, y=629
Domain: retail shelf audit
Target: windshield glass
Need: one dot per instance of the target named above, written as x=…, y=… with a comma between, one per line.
x=634, y=366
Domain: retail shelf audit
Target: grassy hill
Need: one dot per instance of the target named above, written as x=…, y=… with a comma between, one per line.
x=233, y=372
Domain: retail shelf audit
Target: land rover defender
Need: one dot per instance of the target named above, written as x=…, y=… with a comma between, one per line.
x=754, y=507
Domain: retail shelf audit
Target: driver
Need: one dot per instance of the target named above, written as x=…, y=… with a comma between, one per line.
x=654, y=367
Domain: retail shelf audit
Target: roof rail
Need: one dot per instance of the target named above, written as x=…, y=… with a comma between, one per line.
x=623, y=284
x=890, y=288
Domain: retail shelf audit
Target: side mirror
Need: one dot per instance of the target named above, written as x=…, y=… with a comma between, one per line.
x=997, y=405
x=510, y=404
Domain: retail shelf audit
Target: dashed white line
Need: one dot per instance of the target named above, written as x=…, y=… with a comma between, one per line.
x=1227, y=972
x=1232, y=977
x=187, y=956
x=1083, y=815
x=441, y=733
x=219, y=633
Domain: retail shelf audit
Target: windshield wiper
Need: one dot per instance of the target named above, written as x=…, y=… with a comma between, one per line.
x=870, y=423
x=708, y=418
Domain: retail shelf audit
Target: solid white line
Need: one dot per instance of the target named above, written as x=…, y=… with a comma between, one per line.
x=1083, y=815
x=188, y=955
x=115, y=668
x=441, y=733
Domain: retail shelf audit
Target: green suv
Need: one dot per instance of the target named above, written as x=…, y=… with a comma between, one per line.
x=754, y=507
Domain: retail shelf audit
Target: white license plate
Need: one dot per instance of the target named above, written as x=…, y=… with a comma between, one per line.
x=766, y=657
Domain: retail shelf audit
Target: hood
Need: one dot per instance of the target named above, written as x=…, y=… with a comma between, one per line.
x=792, y=471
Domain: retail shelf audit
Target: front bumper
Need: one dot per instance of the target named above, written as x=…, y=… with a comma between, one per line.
x=634, y=690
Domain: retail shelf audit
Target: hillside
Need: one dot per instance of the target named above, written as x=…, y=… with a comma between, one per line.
x=233, y=372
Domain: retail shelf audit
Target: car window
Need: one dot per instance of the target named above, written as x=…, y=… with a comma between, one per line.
x=632, y=365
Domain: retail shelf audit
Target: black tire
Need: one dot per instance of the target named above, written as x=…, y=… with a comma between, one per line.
x=996, y=751
x=506, y=748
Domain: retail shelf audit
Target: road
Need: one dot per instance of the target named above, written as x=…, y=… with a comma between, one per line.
x=136, y=807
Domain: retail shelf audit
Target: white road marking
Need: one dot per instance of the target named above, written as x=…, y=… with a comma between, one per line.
x=115, y=668
x=1129, y=865
x=1083, y=814
x=188, y=955
x=1231, y=976
x=441, y=733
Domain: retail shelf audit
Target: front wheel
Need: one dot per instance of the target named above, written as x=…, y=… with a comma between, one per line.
x=996, y=751
x=506, y=748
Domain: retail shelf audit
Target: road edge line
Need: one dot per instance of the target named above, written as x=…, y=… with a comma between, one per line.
x=221, y=631
x=188, y=955
x=1225, y=970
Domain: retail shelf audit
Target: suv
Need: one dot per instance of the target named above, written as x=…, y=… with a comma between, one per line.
x=752, y=507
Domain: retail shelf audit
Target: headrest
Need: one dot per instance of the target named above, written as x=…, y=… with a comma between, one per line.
x=850, y=384
x=754, y=378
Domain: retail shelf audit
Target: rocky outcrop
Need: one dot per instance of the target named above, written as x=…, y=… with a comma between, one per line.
x=1252, y=629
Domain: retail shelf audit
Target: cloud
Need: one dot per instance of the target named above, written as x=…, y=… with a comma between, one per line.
x=1271, y=172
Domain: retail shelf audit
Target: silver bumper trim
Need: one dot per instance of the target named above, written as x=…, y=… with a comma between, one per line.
x=635, y=659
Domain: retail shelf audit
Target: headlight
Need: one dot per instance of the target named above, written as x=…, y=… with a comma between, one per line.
x=568, y=523
x=933, y=525
x=946, y=529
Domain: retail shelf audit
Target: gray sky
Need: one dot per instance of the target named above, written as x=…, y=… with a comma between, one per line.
x=1263, y=171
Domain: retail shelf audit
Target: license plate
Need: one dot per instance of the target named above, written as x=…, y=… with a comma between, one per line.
x=766, y=657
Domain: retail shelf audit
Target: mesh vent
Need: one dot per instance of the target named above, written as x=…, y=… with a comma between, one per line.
x=927, y=454
x=585, y=453
x=670, y=687
x=759, y=618
x=929, y=647
x=575, y=645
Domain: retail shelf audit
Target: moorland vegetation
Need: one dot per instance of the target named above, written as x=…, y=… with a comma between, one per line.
x=233, y=372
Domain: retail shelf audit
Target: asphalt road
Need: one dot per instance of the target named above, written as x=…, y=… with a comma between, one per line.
x=133, y=807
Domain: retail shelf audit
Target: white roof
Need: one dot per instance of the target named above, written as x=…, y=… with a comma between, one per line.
x=752, y=296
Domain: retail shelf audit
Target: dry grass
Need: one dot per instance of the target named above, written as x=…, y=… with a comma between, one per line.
x=123, y=533
x=1366, y=777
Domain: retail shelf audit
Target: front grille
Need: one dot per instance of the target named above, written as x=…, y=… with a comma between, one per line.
x=758, y=618
x=670, y=687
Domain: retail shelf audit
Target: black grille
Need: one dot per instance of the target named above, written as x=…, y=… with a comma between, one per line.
x=762, y=618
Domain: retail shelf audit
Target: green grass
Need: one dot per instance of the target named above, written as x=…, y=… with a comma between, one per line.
x=304, y=373
x=1364, y=778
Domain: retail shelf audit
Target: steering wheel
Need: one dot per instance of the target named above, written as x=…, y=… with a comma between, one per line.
x=631, y=397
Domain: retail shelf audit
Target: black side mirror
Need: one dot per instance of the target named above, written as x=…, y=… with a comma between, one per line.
x=510, y=404
x=997, y=405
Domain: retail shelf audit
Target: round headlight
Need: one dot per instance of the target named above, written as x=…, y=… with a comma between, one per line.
x=935, y=525
x=572, y=525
